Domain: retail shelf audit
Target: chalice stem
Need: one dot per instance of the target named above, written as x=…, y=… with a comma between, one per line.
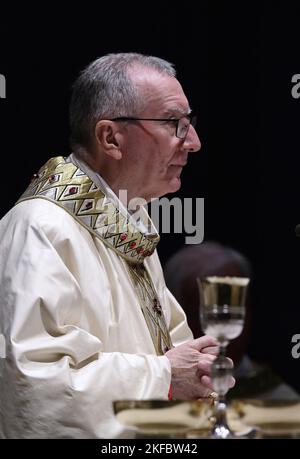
x=221, y=371
x=221, y=429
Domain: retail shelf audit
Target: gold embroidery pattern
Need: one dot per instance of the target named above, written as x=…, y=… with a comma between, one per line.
x=65, y=184
x=151, y=308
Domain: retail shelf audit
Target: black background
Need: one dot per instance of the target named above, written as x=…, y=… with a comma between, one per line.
x=236, y=68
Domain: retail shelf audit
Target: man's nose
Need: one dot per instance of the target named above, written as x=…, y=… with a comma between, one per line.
x=192, y=142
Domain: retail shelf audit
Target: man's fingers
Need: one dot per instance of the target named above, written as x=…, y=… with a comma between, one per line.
x=230, y=361
x=206, y=382
x=214, y=350
x=203, y=341
x=204, y=365
x=232, y=382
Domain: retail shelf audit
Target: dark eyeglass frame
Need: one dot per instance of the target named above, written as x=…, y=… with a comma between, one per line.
x=191, y=117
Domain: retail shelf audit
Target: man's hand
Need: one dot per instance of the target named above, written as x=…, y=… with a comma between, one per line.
x=191, y=365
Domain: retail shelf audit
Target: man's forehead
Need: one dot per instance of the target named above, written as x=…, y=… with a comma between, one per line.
x=163, y=91
x=178, y=110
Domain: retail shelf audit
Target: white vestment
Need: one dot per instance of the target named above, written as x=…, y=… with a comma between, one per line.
x=77, y=336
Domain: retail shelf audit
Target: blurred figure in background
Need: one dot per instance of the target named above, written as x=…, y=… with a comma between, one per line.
x=213, y=259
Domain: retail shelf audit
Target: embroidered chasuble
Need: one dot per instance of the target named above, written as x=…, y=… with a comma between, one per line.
x=70, y=188
x=85, y=311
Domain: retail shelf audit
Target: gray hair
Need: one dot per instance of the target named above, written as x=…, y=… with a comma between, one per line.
x=105, y=90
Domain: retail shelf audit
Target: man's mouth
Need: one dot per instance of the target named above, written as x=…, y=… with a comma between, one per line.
x=176, y=170
x=179, y=168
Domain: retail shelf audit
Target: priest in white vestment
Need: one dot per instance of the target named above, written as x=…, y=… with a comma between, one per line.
x=84, y=310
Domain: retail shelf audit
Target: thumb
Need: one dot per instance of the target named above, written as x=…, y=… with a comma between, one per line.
x=203, y=341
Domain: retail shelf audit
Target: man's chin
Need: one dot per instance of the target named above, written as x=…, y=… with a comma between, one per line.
x=173, y=185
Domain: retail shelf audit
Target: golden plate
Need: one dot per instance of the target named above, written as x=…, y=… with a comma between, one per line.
x=272, y=418
x=162, y=418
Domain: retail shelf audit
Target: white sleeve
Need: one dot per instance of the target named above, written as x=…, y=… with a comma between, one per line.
x=58, y=381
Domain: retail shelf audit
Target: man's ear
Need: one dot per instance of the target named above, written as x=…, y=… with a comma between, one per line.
x=108, y=137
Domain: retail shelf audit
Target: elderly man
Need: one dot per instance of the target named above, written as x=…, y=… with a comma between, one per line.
x=84, y=307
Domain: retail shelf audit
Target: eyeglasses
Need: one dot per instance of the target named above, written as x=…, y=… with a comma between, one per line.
x=182, y=124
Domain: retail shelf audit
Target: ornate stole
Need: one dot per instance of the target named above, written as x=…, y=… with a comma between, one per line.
x=63, y=183
x=151, y=308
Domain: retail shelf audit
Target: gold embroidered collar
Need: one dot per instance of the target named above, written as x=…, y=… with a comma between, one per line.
x=69, y=187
